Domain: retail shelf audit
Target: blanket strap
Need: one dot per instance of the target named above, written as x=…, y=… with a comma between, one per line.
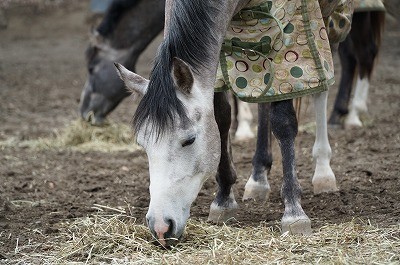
x=262, y=48
x=256, y=12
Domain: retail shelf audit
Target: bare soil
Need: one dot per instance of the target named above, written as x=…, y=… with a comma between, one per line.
x=42, y=72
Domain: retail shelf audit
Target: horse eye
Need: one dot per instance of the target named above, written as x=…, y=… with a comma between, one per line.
x=189, y=141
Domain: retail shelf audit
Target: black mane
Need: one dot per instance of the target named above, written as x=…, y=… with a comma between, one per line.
x=114, y=13
x=189, y=37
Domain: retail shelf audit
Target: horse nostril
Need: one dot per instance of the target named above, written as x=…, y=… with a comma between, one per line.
x=171, y=227
x=91, y=69
x=89, y=116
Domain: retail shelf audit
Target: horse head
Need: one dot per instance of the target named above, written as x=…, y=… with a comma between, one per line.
x=103, y=89
x=183, y=154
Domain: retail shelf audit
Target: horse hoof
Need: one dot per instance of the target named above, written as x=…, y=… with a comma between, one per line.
x=221, y=214
x=352, y=122
x=324, y=180
x=255, y=191
x=325, y=186
x=296, y=225
x=335, y=121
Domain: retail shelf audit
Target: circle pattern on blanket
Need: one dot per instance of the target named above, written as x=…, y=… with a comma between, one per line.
x=241, y=66
x=291, y=56
x=296, y=72
x=289, y=28
x=241, y=82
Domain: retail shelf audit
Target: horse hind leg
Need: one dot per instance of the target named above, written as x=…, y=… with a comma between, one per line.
x=284, y=127
x=366, y=57
x=324, y=179
x=224, y=205
x=244, y=118
x=358, y=105
x=366, y=41
x=257, y=187
x=349, y=63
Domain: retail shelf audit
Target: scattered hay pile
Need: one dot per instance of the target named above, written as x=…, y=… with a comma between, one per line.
x=118, y=239
x=82, y=136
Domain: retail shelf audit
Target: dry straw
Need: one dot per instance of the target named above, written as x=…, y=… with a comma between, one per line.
x=80, y=135
x=119, y=239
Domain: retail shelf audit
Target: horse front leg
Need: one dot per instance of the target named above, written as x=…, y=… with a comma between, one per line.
x=224, y=205
x=324, y=179
x=284, y=127
x=257, y=187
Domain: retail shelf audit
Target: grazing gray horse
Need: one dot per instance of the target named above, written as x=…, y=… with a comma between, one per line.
x=184, y=127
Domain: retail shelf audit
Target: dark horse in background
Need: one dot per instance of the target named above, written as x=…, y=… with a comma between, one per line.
x=126, y=30
x=357, y=55
x=130, y=25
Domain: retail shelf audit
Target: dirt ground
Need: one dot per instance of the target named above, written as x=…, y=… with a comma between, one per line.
x=42, y=72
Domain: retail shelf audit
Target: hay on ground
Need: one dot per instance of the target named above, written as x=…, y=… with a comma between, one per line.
x=81, y=136
x=120, y=239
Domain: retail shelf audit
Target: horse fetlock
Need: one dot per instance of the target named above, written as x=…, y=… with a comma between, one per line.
x=221, y=214
x=335, y=121
x=322, y=154
x=296, y=225
x=256, y=190
x=324, y=179
x=361, y=107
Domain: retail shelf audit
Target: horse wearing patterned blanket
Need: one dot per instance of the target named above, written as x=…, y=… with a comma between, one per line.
x=184, y=126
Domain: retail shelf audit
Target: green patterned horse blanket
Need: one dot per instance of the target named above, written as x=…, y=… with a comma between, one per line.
x=285, y=54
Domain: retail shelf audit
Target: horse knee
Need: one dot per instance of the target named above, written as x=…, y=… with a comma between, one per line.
x=222, y=111
x=283, y=120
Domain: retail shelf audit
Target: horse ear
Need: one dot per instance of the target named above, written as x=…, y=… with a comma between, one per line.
x=182, y=75
x=95, y=38
x=133, y=82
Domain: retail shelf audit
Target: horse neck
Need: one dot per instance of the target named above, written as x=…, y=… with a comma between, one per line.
x=206, y=73
x=135, y=29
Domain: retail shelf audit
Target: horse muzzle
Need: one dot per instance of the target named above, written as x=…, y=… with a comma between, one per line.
x=166, y=231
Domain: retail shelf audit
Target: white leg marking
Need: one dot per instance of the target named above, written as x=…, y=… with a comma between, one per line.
x=324, y=179
x=257, y=190
x=359, y=104
x=245, y=117
x=219, y=214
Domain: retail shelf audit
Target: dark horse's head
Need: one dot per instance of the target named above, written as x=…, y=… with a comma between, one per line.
x=103, y=89
x=126, y=30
